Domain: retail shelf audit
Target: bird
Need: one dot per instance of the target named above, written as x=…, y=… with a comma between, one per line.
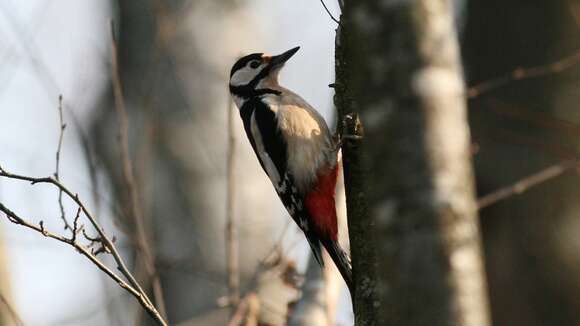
x=295, y=148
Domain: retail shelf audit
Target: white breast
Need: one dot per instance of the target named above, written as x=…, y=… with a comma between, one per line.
x=307, y=136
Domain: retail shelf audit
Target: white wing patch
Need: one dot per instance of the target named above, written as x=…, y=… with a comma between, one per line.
x=269, y=165
x=307, y=136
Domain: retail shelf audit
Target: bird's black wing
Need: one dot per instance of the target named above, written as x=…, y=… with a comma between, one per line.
x=271, y=150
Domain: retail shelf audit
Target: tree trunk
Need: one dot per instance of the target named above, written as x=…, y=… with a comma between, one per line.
x=362, y=242
x=407, y=81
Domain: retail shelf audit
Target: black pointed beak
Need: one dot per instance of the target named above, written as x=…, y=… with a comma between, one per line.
x=279, y=60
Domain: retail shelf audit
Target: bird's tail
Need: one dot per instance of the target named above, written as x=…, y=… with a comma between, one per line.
x=316, y=249
x=338, y=255
x=341, y=260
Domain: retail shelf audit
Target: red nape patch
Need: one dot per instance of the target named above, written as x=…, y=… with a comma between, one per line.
x=321, y=206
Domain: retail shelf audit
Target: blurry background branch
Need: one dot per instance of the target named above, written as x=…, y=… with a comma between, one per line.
x=528, y=182
x=524, y=73
x=142, y=238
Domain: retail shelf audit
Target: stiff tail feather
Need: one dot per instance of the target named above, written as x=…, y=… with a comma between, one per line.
x=341, y=260
x=316, y=248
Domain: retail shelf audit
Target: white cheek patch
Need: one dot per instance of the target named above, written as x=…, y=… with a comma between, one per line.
x=245, y=75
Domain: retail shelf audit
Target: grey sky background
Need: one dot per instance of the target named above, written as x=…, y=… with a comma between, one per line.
x=57, y=47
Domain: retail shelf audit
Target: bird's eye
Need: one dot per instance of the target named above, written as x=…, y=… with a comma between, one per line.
x=254, y=64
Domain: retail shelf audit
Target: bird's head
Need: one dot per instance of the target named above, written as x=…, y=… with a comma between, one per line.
x=257, y=70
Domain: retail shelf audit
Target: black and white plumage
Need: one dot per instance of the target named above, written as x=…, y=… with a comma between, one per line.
x=294, y=147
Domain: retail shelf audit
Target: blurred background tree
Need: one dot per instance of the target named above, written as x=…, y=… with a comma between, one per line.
x=171, y=61
x=530, y=240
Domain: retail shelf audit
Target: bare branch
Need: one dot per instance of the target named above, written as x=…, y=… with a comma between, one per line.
x=132, y=287
x=524, y=73
x=329, y=13
x=75, y=228
x=528, y=182
x=14, y=218
x=128, y=175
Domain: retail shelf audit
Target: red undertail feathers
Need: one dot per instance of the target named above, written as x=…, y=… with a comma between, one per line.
x=321, y=205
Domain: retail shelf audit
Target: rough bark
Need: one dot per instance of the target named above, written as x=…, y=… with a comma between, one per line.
x=409, y=87
x=360, y=224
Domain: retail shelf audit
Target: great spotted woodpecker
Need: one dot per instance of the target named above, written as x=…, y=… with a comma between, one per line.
x=295, y=149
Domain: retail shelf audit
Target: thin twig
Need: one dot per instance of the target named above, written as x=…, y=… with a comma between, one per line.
x=232, y=244
x=11, y=311
x=527, y=183
x=328, y=12
x=137, y=214
x=132, y=287
x=75, y=228
x=57, y=167
x=524, y=73
x=14, y=218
